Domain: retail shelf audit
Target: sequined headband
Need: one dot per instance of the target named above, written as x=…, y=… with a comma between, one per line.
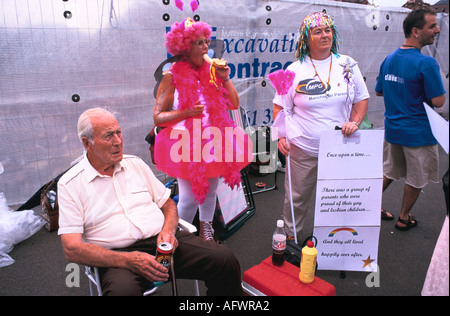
x=311, y=21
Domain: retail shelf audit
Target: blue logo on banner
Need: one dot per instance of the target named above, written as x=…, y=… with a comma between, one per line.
x=257, y=46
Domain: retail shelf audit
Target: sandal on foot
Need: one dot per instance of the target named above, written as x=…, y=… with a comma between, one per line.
x=387, y=216
x=410, y=223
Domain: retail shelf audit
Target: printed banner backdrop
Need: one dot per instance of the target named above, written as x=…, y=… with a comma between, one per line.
x=58, y=58
x=348, y=200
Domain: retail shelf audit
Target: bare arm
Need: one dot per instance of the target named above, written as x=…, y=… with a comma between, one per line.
x=276, y=110
x=171, y=219
x=163, y=114
x=78, y=251
x=438, y=101
x=359, y=111
x=233, y=96
x=283, y=146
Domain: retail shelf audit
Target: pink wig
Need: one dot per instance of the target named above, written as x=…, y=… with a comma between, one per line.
x=182, y=34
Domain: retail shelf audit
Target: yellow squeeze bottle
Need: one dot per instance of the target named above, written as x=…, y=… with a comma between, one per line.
x=308, y=263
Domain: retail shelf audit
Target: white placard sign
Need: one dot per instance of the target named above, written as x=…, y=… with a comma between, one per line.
x=439, y=127
x=359, y=156
x=348, y=200
x=347, y=248
x=344, y=202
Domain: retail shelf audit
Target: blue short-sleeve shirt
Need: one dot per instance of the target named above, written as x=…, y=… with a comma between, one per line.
x=407, y=79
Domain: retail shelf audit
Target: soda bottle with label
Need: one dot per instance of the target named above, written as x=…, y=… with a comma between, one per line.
x=52, y=198
x=308, y=263
x=278, y=244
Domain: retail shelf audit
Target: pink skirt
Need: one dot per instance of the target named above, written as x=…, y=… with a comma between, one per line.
x=174, y=152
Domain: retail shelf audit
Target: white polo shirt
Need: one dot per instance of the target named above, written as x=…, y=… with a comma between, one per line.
x=112, y=212
x=314, y=111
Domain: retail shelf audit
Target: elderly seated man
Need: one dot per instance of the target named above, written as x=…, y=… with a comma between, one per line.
x=114, y=212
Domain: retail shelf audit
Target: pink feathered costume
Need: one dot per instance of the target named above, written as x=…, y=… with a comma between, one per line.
x=201, y=151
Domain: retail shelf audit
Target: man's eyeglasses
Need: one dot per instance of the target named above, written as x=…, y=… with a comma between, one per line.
x=201, y=42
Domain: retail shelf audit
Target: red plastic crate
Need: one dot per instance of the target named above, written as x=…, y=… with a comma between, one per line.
x=271, y=280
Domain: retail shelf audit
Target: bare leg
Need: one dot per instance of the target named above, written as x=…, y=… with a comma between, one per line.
x=386, y=183
x=409, y=198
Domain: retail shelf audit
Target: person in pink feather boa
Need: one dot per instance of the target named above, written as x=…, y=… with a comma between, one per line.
x=192, y=103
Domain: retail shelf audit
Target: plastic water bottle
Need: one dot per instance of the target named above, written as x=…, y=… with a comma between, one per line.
x=52, y=198
x=278, y=244
x=308, y=263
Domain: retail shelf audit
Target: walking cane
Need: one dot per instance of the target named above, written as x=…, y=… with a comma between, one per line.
x=288, y=160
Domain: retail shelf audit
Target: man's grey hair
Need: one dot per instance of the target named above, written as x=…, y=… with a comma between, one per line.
x=84, y=126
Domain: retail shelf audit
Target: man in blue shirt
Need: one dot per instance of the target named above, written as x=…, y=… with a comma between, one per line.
x=406, y=80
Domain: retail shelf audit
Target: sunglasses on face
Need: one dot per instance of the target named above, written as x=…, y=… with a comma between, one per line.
x=201, y=42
